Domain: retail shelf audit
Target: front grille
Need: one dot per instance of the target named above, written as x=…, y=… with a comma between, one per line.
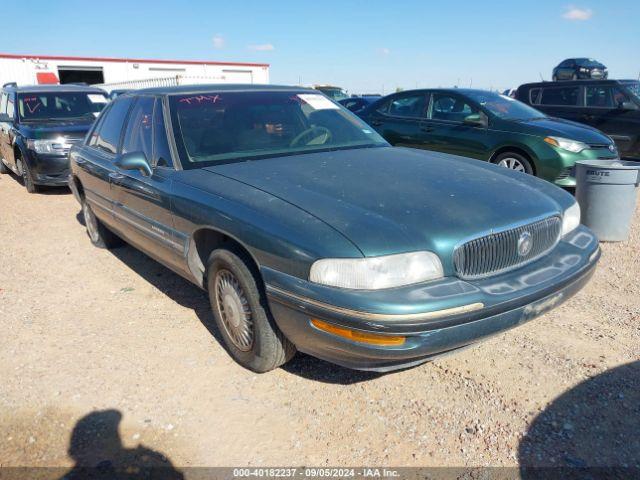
x=498, y=252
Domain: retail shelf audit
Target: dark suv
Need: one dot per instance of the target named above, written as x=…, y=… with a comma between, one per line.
x=577, y=68
x=611, y=106
x=39, y=124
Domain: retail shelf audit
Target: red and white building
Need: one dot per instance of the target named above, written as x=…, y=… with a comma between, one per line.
x=125, y=72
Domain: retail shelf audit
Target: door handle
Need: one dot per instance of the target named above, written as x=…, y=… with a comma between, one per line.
x=427, y=129
x=376, y=123
x=116, y=176
x=586, y=117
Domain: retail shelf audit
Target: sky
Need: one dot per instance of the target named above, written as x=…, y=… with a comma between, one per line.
x=364, y=46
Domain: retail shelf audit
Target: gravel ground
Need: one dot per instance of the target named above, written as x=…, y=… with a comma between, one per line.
x=109, y=353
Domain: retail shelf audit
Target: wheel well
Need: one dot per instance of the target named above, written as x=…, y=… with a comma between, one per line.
x=517, y=150
x=79, y=187
x=205, y=241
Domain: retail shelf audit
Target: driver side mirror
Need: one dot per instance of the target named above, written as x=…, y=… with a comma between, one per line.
x=627, y=105
x=134, y=161
x=475, y=120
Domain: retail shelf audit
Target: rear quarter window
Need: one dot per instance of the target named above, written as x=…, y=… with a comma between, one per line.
x=534, y=96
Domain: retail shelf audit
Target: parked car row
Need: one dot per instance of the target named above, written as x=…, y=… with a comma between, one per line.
x=490, y=127
x=309, y=231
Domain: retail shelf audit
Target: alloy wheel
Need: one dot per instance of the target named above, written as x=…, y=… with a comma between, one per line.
x=234, y=310
x=91, y=223
x=512, y=164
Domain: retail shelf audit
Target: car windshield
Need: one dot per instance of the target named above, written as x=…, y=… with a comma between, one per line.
x=223, y=126
x=60, y=105
x=633, y=87
x=505, y=107
x=588, y=62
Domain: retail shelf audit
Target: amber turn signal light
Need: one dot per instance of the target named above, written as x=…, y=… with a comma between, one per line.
x=357, y=336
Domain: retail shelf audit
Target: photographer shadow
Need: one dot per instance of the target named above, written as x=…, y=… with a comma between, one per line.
x=590, y=431
x=98, y=453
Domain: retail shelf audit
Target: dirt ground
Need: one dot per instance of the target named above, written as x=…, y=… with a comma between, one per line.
x=108, y=353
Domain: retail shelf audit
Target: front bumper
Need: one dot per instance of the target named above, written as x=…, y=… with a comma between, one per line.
x=51, y=170
x=435, y=317
x=559, y=166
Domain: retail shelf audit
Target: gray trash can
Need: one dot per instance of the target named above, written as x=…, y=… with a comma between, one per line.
x=606, y=191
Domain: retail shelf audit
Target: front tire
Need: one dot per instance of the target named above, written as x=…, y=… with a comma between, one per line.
x=242, y=316
x=27, y=178
x=99, y=235
x=514, y=161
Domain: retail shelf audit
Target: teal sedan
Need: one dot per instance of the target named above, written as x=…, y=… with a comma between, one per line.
x=309, y=232
x=490, y=127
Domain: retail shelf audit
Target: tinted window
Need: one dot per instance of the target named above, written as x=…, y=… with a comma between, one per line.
x=502, y=106
x=221, y=126
x=60, y=105
x=560, y=96
x=451, y=108
x=633, y=87
x=162, y=154
x=108, y=132
x=138, y=136
x=605, y=97
x=534, y=95
x=409, y=105
x=565, y=64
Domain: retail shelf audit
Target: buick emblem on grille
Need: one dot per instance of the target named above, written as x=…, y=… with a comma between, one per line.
x=612, y=148
x=525, y=244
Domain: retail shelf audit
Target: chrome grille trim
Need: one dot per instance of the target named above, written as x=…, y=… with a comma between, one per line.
x=498, y=252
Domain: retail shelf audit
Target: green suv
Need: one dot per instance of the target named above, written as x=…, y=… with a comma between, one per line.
x=490, y=127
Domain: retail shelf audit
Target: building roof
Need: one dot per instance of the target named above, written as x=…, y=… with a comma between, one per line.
x=54, y=88
x=128, y=60
x=222, y=87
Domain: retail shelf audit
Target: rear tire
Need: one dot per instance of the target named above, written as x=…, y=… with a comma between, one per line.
x=3, y=168
x=27, y=178
x=99, y=235
x=242, y=315
x=514, y=161
x=554, y=78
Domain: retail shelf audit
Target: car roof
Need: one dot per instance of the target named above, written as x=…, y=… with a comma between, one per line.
x=222, y=87
x=573, y=83
x=54, y=88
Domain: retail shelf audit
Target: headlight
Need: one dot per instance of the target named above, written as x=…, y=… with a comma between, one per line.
x=57, y=146
x=570, y=219
x=377, y=272
x=566, y=144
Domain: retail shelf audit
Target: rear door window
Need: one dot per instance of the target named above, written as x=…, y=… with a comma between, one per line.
x=560, y=96
x=414, y=105
x=108, y=133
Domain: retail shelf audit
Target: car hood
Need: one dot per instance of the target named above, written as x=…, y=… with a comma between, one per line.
x=559, y=127
x=72, y=129
x=389, y=200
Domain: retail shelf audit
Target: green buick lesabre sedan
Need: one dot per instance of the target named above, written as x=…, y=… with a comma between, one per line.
x=310, y=232
x=490, y=127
